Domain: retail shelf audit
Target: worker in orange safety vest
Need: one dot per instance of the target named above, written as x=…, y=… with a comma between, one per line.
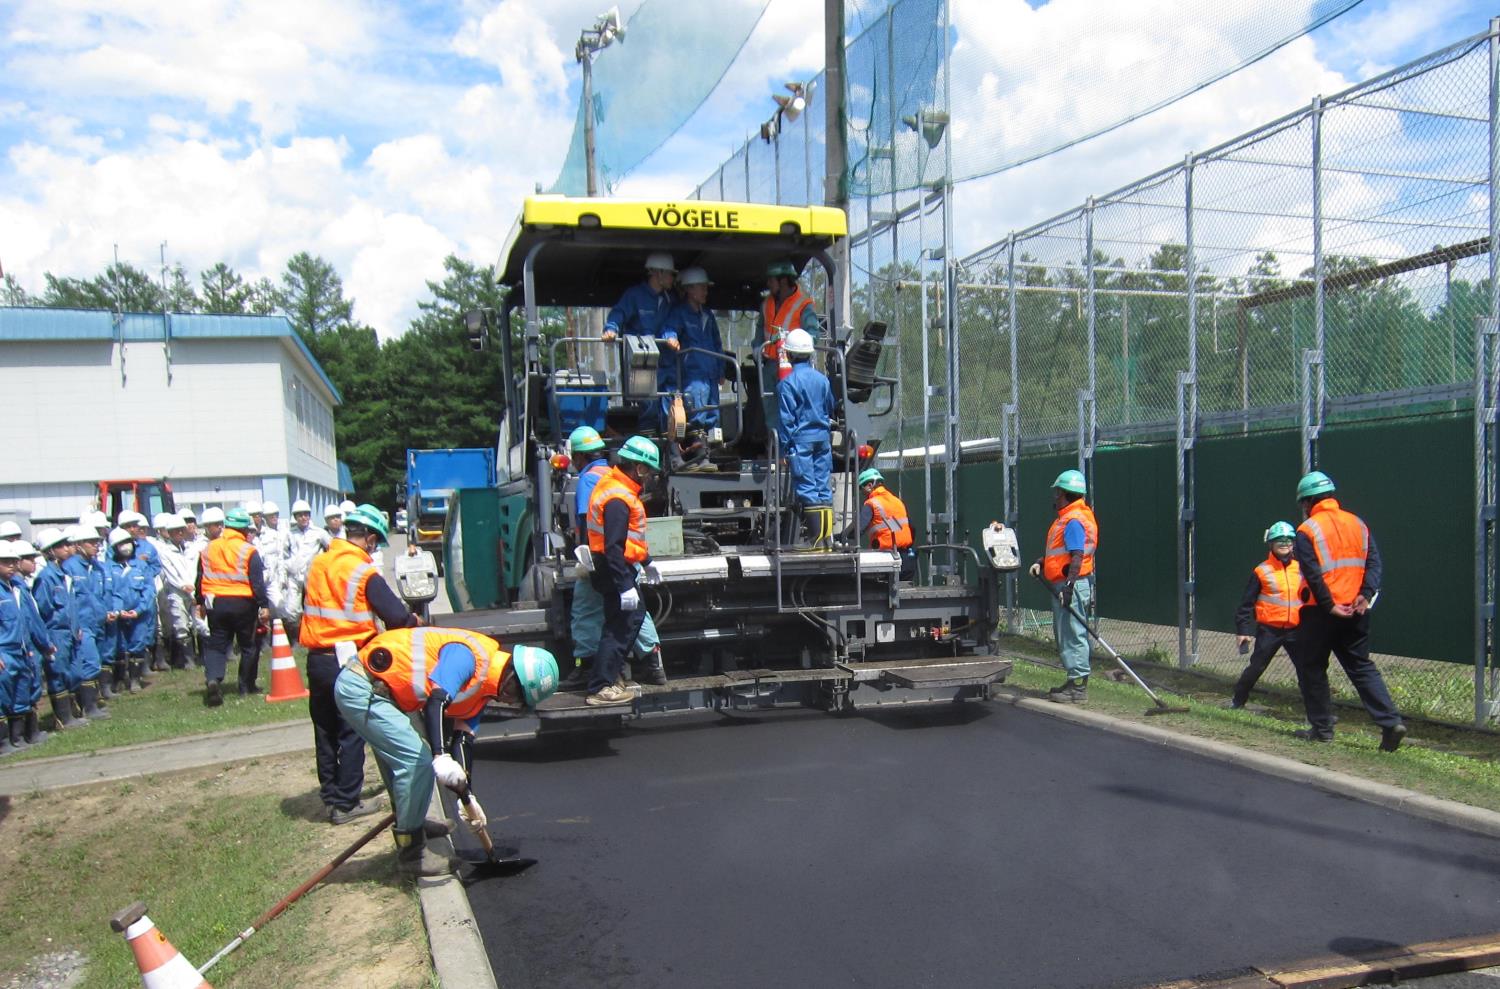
x=1268, y=611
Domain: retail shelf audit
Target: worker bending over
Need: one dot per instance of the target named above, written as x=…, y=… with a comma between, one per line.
x=438, y=674
x=1068, y=568
x=805, y=399
x=884, y=522
x=1268, y=612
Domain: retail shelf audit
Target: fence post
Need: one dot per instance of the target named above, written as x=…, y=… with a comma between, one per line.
x=1313, y=360
x=1010, y=433
x=1087, y=420
x=1187, y=437
x=1486, y=432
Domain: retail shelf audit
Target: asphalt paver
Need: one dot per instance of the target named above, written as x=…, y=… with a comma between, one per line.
x=976, y=845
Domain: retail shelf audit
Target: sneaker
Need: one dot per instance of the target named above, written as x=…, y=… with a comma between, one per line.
x=214, y=695
x=612, y=694
x=362, y=809
x=1390, y=738
x=1312, y=735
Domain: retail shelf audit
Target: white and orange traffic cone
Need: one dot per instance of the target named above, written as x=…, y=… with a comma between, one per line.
x=286, y=682
x=161, y=965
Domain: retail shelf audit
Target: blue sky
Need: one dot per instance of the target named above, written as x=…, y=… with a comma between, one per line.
x=386, y=135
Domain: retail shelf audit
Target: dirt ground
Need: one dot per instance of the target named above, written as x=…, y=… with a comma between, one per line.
x=208, y=850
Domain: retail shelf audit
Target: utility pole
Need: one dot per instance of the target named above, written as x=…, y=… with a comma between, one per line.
x=607, y=29
x=835, y=191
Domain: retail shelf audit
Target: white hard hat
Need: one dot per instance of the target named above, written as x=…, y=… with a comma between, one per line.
x=9, y=530
x=346, y=506
x=128, y=517
x=799, y=342
x=270, y=508
x=659, y=261
x=82, y=534
x=167, y=520
x=187, y=514
x=24, y=549
x=252, y=507
x=301, y=506
x=332, y=511
x=50, y=537
x=8, y=550
x=158, y=521
x=212, y=515
x=693, y=276
x=95, y=520
x=118, y=536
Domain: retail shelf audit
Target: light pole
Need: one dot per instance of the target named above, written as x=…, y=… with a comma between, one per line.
x=606, y=30
x=790, y=108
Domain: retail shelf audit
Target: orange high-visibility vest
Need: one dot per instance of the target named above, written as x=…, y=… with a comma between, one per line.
x=616, y=485
x=781, y=320
x=335, y=608
x=1279, y=604
x=1055, y=561
x=226, y=566
x=409, y=680
x=1341, y=541
x=890, y=526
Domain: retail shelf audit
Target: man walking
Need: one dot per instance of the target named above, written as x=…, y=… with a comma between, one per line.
x=1067, y=566
x=1268, y=612
x=1341, y=567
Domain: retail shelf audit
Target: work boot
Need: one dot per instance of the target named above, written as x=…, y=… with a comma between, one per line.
x=337, y=815
x=1313, y=735
x=178, y=660
x=413, y=858
x=1061, y=687
x=106, y=683
x=121, y=671
x=32, y=729
x=62, y=712
x=817, y=521
x=5, y=748
x=654, y=673
x=88, y=700
x=135, y=675
x=16, y=727
x=1075, y=691
x=1390, y=738
x=578, y=676
x=213, y=694
x=158, y=664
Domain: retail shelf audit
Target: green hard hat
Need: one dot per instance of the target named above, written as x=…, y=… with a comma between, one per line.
x=1072, y=482
x=781, y=269
x=1281, y=530
x=585, y=439
x=536, y=671
x=1314, y=484
x=370, y=517
x=642, y=451
x=237, y=518
x=870, y=474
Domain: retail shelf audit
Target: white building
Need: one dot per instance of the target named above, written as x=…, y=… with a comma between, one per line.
x=226, y=408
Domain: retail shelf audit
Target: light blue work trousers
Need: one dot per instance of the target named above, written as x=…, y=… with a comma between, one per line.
x=587, y=622
x=1071, y=634
x=404, y=758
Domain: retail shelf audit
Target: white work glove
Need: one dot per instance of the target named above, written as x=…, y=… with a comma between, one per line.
x=650, y=576
x=585, y=557
x=630, y=600
x=449, y=772
x=472, y=813
x=1035, y=570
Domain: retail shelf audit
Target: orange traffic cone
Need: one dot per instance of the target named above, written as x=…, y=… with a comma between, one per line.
x=161, y=965
x=286, y=682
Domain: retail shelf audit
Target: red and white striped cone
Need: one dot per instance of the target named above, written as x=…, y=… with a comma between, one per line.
x=161, y=965
x=286, y=682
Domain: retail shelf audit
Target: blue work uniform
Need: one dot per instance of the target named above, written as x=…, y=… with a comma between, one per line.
x=586, y=620
x=640, y=312
x=134, y=590
x=697, y=334
x=90, y=587
x=23, y=642
x=805, y=399
x=148, y=556
x=54, y=602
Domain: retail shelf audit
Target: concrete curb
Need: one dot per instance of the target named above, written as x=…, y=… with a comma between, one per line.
x=1452, y=813
x=458, y=954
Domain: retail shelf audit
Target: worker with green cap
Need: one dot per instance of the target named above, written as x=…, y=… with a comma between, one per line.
x=1067, y=566
x=885, y=522
x=617, y=544
x=231, y=589
x=586, y=618
x=1341, y=570
x=786, y=308
x=1268, y=611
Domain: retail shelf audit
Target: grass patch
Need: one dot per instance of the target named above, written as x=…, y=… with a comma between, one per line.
x=208, y=851
x=1440, y=760
x=171, y=706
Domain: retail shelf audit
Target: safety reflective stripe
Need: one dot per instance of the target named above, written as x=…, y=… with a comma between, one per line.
x=632, y=530
x=351, y=594
x=241, y=574
x=481, y=670
x=419, y=664
x=1325, y=555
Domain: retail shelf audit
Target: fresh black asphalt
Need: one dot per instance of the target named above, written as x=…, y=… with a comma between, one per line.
x=982, y=845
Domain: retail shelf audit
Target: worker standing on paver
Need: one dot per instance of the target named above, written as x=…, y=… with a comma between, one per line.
x=134, y=589
x=885, y=522
x=232, y=591
x=804, y=427
x=785, y=309
x=434, y=674
x=617, y=545
x=586, y=618
x=1341, y=570
x=345, y=594
x=640, y=312
x=1268, y=611
x=1067, y=565
x=89, y=582
x=690, y=332
x=54, y=601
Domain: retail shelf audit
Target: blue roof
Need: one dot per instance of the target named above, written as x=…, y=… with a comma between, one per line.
x=37, y=323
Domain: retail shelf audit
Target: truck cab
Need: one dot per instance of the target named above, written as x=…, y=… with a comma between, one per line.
x=150, y=496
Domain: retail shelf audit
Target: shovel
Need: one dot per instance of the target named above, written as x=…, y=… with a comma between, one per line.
x=1162, y=707
x=493, y=864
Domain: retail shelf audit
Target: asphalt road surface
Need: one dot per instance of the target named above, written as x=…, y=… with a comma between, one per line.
x=979, y=846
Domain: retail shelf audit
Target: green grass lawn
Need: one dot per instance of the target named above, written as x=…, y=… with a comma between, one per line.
x=1442, y=760
x=170, y=707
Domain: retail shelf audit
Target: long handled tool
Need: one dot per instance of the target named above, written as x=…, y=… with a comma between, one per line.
x=1162, y=707
x=493, y=863
x=297, y=893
